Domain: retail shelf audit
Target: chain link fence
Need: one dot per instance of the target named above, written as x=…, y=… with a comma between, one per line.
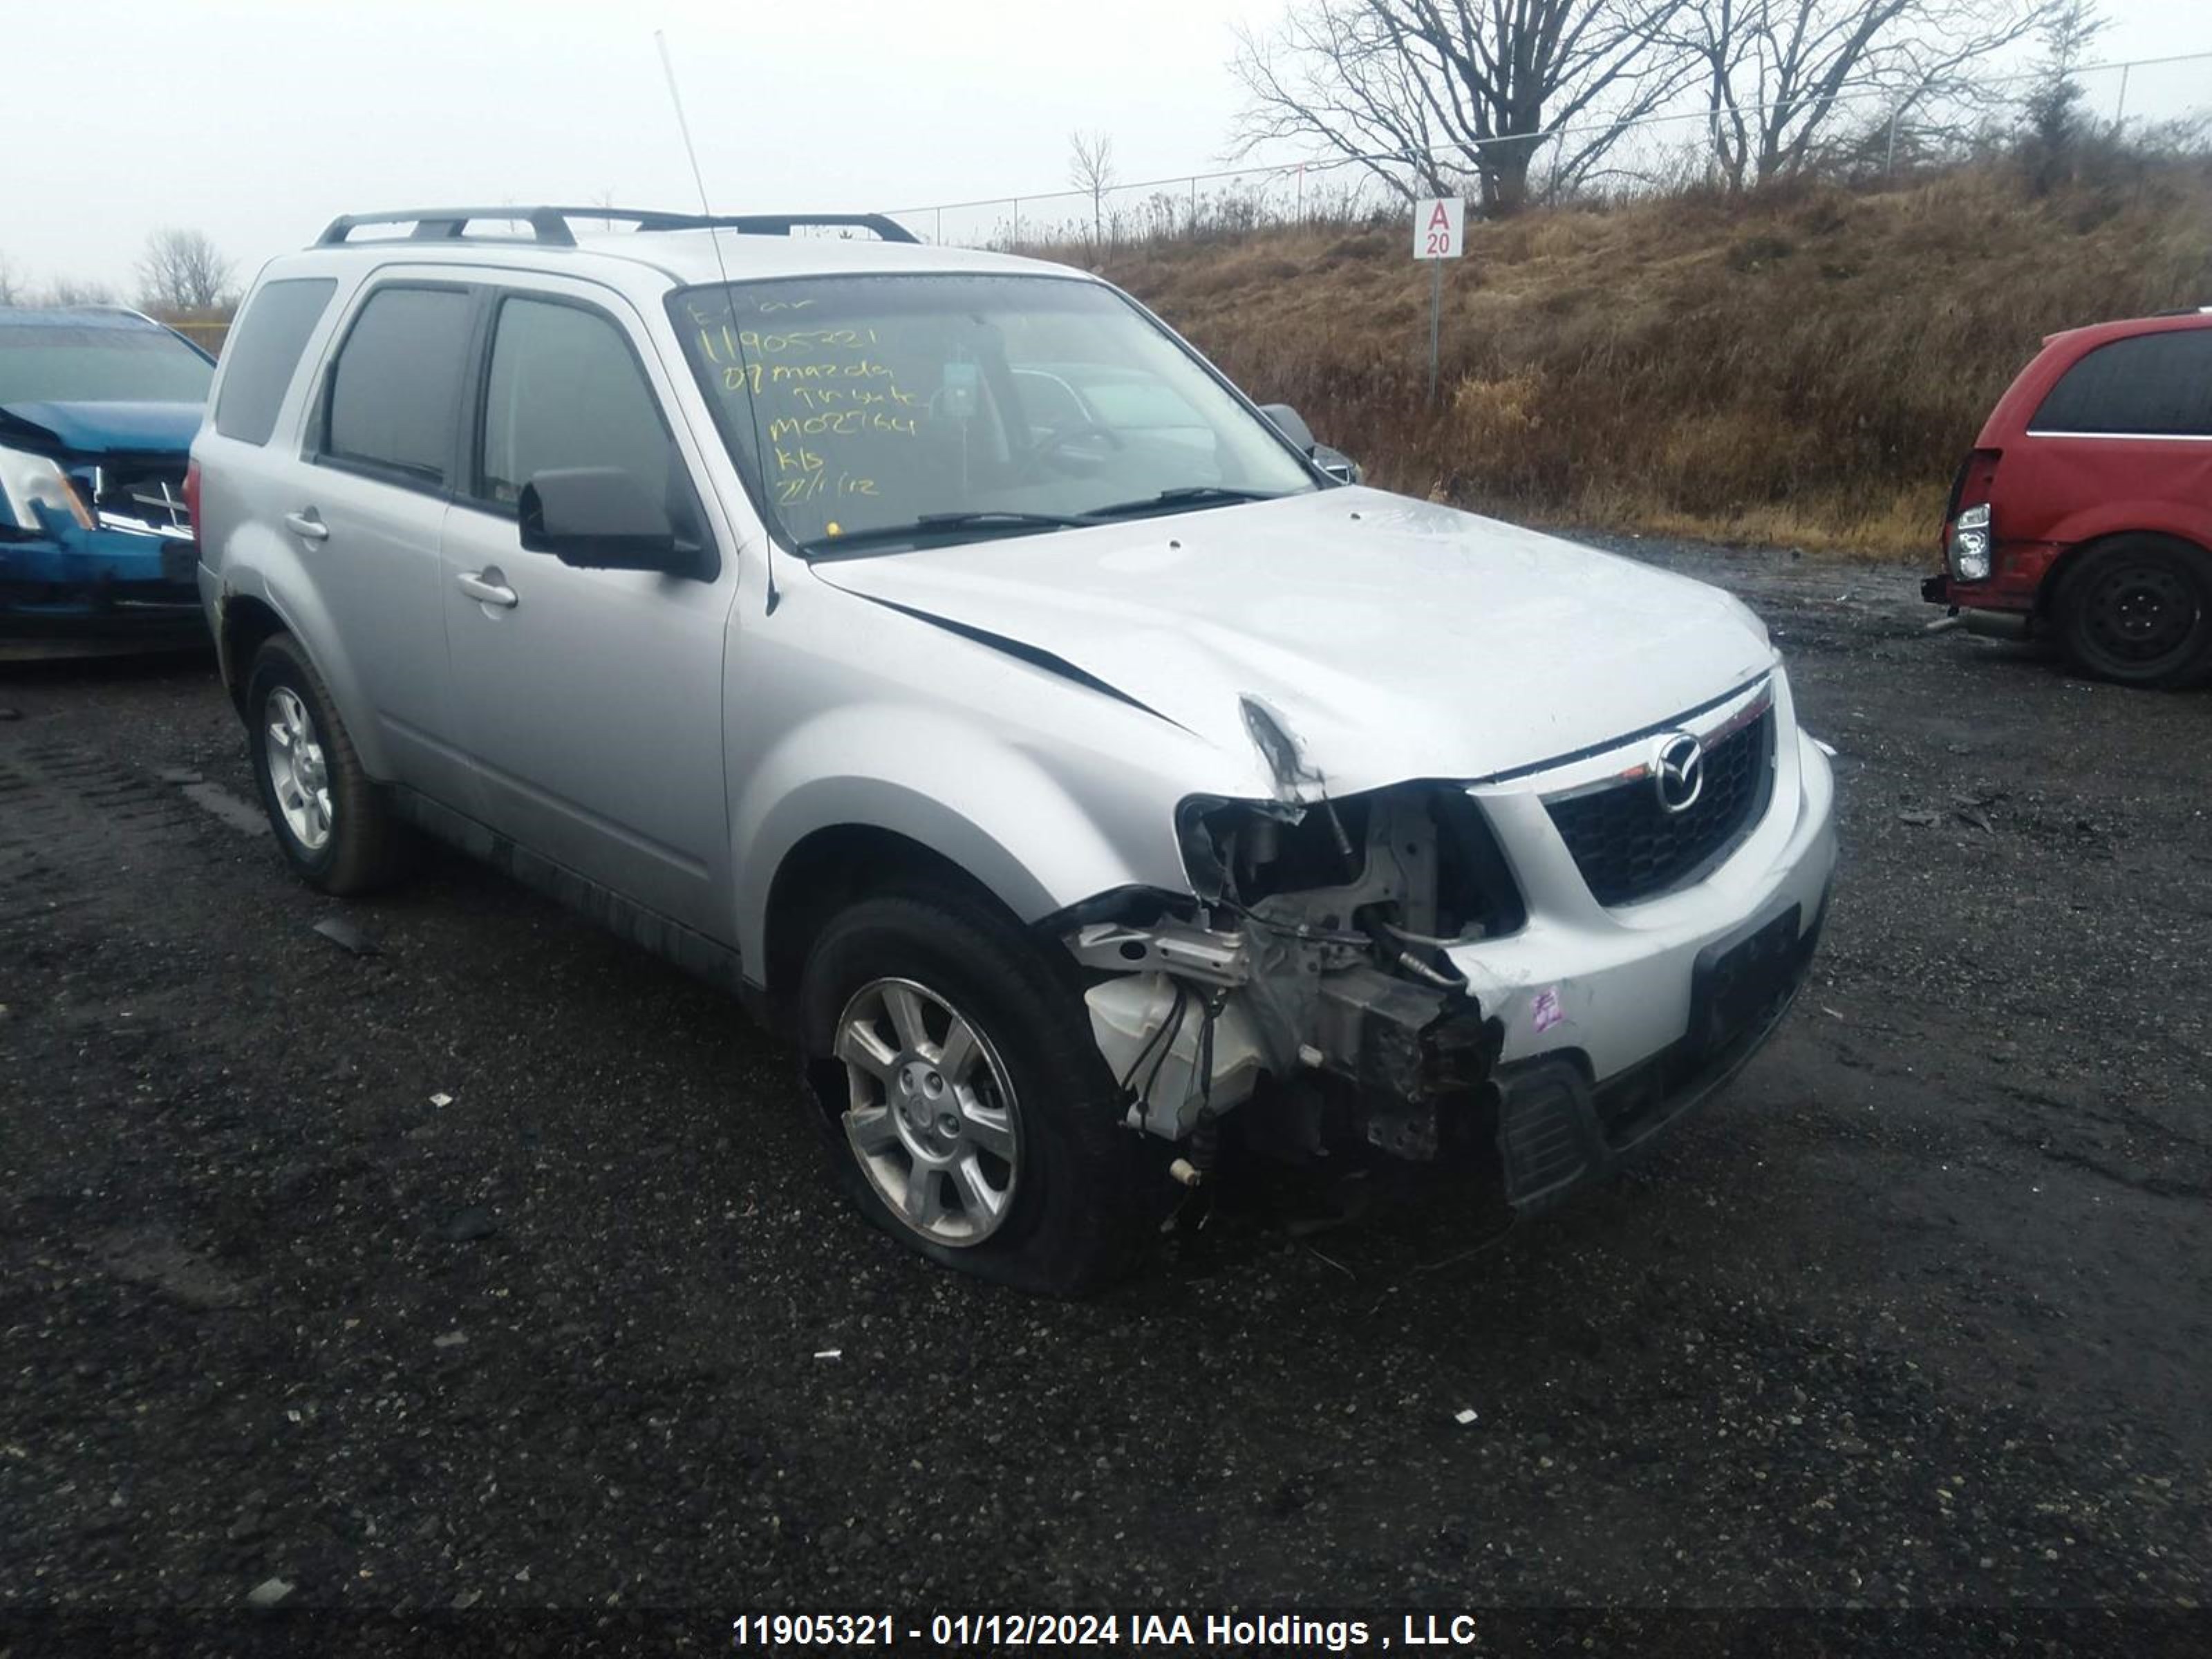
x=2147, y=100
x=2166, y=99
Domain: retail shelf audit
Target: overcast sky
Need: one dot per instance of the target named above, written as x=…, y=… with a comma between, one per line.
x=258, y=120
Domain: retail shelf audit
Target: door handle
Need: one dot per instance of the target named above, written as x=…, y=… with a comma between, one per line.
x=495, y=592
x=308, y=523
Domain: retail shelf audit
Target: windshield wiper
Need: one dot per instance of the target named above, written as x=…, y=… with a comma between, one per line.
x=926, y=525
x=1183, y=495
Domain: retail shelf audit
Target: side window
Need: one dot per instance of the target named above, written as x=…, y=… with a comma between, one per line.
x=565, y=390
x=2153, y=383
x=263, y=352
x=395, y=393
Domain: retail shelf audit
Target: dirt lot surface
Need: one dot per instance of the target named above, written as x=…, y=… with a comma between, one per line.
x=1919, y=1313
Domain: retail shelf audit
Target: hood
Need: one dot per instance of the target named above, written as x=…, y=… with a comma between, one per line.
x=106, y=428
x=1392, y=638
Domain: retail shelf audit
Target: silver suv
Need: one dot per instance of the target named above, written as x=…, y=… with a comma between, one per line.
x=933, y=648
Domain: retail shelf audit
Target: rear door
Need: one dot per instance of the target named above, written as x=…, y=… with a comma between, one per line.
x=368, y=515
x=591, y=706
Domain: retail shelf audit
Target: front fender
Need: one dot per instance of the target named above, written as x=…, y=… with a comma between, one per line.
x=965, y=794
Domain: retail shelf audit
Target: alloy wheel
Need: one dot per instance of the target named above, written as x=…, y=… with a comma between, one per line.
x=297, y=771
x=931, y=1115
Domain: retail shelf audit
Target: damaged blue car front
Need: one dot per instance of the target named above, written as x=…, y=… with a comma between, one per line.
x=98, y=407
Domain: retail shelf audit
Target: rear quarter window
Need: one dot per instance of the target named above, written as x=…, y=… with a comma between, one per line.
x=2148, y=385
x=263, y=351
x=394, y=402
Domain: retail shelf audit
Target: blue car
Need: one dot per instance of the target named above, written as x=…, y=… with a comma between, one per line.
x=98, y=407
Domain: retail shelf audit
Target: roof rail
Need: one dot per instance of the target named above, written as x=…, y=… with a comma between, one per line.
x=549, y=225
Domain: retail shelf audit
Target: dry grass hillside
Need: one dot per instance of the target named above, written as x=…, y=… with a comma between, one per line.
x=1805, y=366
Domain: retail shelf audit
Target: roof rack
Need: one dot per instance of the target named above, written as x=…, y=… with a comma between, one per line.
x=549, y=225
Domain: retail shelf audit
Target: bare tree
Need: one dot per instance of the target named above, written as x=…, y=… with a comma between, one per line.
x=183, y=270
x=12, y=291
x=1423, y=91
x=76, y=291
x=1777, y=74
x=1091, y=170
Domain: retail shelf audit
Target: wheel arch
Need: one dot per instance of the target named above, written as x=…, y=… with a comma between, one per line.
x=2071, y=558
x=250, y=608
x=248, y=622
x=910, y=793
x=835, y=867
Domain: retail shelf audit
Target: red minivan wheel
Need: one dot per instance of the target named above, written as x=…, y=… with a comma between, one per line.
x=2138, y=610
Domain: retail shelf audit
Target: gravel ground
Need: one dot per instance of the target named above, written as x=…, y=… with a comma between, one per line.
x=1917, y=1314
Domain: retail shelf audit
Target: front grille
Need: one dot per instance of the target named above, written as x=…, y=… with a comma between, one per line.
x=1629, y=847
x=151, y=493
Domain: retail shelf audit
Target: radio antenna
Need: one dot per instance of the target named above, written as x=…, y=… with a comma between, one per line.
x=729, y=295
x=682, y=126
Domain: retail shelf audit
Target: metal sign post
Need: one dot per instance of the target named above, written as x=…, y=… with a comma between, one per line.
x=1435, y=319
x=1439, y=233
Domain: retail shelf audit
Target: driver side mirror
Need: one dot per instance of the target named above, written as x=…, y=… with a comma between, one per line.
x=599, y=518
x=1292, y=426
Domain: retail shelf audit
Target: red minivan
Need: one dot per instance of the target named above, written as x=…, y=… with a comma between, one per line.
x=2085, y=511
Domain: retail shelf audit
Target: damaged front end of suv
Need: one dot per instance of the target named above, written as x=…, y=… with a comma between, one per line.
x=97, y=412
x=1307, y=978
x=1378, y=834
x=1375, y=973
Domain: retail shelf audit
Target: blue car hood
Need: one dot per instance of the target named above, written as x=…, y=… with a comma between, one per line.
x=106, y=428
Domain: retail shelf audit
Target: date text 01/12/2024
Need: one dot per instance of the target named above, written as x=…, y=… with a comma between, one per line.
x=1416, y=1631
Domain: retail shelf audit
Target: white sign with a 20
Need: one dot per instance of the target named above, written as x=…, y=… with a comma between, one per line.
x=1439, y=227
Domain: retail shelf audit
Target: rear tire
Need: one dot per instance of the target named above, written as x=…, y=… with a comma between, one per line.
x=330, y=819
x=2137, y=610
x=1002, y=1153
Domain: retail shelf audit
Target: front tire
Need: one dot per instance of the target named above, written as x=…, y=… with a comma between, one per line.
x=331, y=821
x=966, y=1105
x=2137, y=610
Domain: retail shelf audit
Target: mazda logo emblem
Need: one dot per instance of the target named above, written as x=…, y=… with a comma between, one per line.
x=1678, y=771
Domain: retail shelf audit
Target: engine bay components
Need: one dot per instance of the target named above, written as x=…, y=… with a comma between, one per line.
x=1310, y=980
x=1182, y=1056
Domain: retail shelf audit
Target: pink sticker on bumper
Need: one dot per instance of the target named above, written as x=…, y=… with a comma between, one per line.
x=1545, y=1012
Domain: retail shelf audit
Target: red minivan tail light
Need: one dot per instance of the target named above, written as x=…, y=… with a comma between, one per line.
x=1977, y=481
x=1969, y=524
x=192, y=499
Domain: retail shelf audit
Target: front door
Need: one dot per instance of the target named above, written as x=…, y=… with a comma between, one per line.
x=589, y=701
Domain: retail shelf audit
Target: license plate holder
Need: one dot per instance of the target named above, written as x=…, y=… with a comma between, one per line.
x=1736, y=981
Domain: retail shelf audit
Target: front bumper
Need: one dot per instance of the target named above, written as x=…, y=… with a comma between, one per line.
x=97, y=590
x=1612, y=987
x=1557, y=1132
x=1600, y=1007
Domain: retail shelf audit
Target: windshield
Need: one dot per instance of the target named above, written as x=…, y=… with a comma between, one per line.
x=865, y=408
x=58, y=362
